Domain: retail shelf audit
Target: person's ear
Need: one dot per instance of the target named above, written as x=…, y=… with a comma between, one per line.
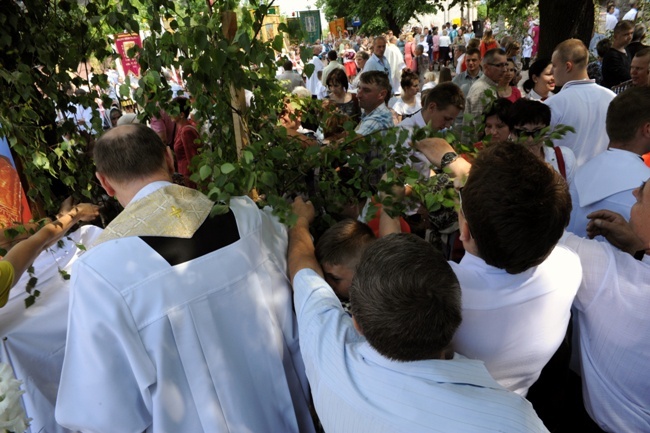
x=568, y=66
x=106, y=184
x=357, y=326
x=465, y=234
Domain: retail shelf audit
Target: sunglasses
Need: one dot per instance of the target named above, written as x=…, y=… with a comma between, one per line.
x=526, y=133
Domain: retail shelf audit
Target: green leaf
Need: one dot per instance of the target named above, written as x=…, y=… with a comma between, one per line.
x=219, y=209
x=227, y=168
x=205, y=171
x=309, y=69
x=278, y=43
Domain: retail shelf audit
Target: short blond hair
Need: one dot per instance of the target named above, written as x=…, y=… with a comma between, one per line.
x=574, y=51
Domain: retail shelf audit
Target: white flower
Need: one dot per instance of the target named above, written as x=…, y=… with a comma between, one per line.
x=12, y=414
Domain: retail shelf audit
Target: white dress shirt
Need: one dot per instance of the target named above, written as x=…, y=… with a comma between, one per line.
x=515, y=323
x=583, y=105
x=606, y=182
x=356, y=389
x=612, y=312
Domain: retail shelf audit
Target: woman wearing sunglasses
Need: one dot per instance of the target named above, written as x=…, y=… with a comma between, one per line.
x=529, y=121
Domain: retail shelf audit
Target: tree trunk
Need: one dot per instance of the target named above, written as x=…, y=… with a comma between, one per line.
x=392, y=24
x=562, y=20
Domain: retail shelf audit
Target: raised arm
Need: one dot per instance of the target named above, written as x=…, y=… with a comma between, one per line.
x=23, y=254
x=439, y=153
x=301, y=246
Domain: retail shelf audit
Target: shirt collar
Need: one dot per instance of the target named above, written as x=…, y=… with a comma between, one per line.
x=148, y=189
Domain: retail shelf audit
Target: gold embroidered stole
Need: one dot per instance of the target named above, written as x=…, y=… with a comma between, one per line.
x=171, y=211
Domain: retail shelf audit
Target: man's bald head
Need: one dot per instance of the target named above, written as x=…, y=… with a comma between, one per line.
x=129, y=152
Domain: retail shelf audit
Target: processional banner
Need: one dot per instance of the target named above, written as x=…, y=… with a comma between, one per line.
x=123, y=42
x=310, y=21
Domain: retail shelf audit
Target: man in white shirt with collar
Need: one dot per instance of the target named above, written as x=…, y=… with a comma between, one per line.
x=382, y=370
x=607, y=180
x=632, y=13
x=378, y=61
x=440, y=106
x=179, y=321
x=396, y=62
x=581, y=104
x=517, y=282
x=312, y=80
x=612, y=312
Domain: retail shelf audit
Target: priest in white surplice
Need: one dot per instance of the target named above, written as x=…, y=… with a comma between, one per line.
x=178, y=321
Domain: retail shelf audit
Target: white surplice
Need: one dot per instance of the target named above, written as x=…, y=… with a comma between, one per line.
x=205, y=345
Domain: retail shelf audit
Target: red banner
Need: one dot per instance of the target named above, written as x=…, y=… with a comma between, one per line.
x=123, y=42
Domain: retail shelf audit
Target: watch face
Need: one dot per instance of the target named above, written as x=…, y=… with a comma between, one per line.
x=448, y=158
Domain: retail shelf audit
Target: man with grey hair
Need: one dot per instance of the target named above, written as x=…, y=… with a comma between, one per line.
x=494, y=66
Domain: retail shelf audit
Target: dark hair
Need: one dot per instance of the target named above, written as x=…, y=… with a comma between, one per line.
x=643, y=52
x=129, y=152
x=603, y=46
x=627, y=112
x=623, y=26
x=472, y=51
x=516, y=206
x=406, y=298
x=378, y=78
x=639, y=32
x=474, y=43
x=444, y=95
x=444, y=76
x=331, y=55
x=338, y=76
x=536, y=70
x=408, y=77
x=344, y=243
x=525, y=111
x=500, y=108
x=183, y=104
x=287, y=65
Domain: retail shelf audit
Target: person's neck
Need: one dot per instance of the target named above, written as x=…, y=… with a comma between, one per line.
x=619, y=48
x=640, y=147
x=338, y=98
x=582, y=75
x=473, y=74
x=408, y=98
x=370, y=110
x=541, y=92
x=124, y=192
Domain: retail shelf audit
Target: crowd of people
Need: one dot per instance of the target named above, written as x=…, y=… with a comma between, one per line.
x=510, y=317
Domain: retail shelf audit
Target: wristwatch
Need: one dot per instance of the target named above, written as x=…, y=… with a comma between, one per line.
x=448, y=158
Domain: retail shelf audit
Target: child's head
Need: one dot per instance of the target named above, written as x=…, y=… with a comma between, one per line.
x=339, y=250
